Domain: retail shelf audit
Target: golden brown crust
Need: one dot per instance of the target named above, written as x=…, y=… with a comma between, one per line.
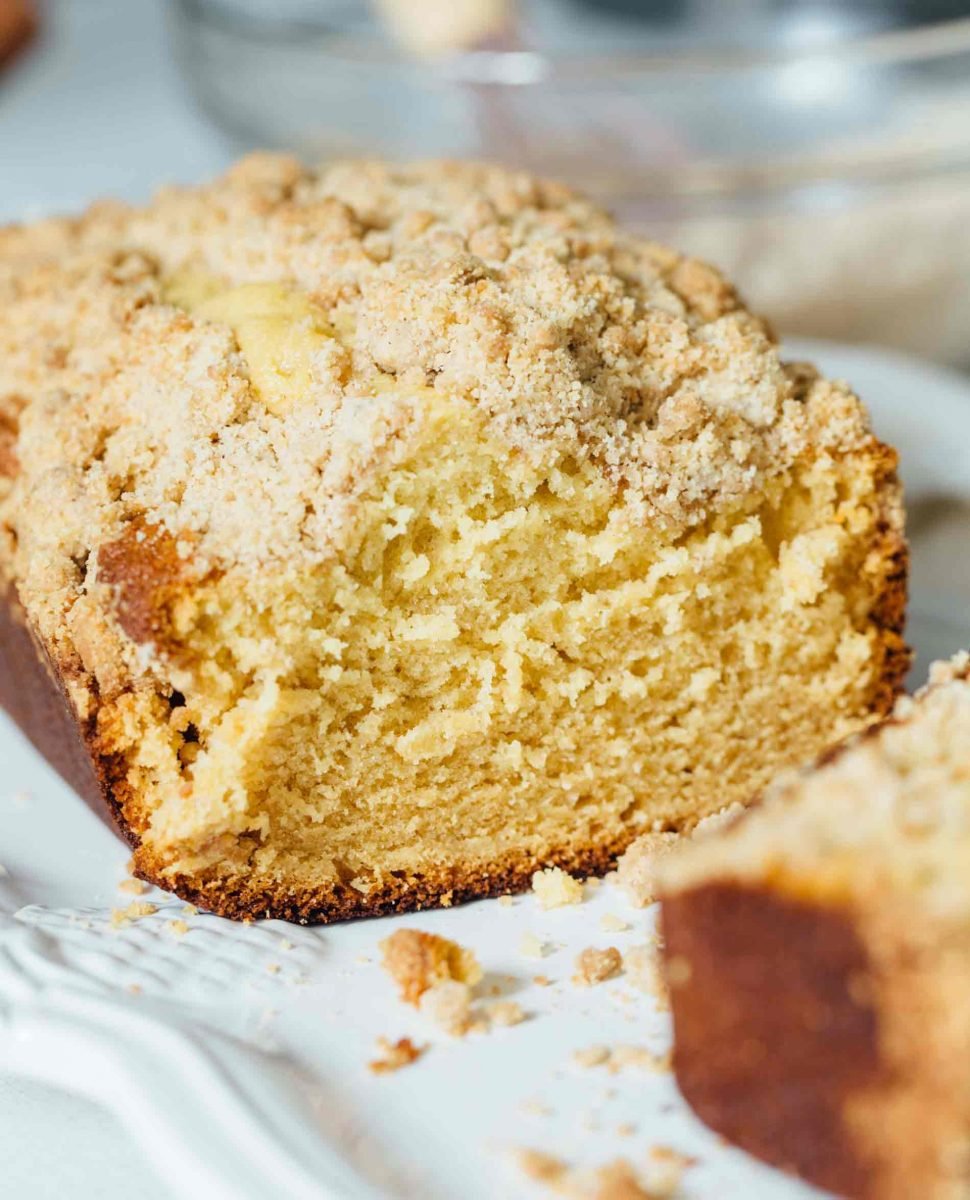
x=244, y=899
x=33, y=692
x=771, y=1045
x=18, y=25
x=144, y=567
x=842, y=1061
x=891, y=552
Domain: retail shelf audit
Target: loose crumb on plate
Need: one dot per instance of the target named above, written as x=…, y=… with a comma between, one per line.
x=596, y=966
x=134, y=887
x=666, y=1168
x=394, y=1055
x=554, y=888
x=619, y=1058
x=530, y=946
x=619, y=1181
x=611, y=923
x=134, y=912
x=591, y=1056
x=178, y=927
x=506, y=1012
x=641, y=969
x=541, y=1167
x=449, y=1006
x=416, y=961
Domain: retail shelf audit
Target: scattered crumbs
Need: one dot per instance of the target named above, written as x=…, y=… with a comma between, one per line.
x=134, y=989
x=506, y=1012
x=535, y=1108
x=541, y=1167
x=554, y=888
x=611, y=923
x=541, y=980
x=531, y=947
x=416, y=961
x=640, y=1057
x=189, y=910
x=394, y=1055
x=506, y=901
x=591, y=1056
x=619, y=1058
x=665, y=1170
x=640, y=967
x=596, y=966
x=626, y=1129
x=619, y=1181
x=22, y=798
x=449, y=1006
x=616, y=1181
x=363, y=959
x=286, y=944
x=134, y=912
x=135, y=887
x=273, y=968
x=178, y=927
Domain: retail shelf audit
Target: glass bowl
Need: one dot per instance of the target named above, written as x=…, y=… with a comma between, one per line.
x=820, y=155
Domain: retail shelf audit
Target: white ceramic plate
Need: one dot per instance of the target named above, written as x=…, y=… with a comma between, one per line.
x=236, y=1057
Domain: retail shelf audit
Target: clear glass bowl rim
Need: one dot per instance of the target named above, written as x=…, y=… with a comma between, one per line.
x=937, y=42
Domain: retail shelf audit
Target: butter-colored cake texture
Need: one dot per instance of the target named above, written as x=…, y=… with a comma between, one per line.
x=399, y=531
x=818, y=956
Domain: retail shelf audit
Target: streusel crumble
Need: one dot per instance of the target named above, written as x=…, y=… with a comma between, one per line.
x=396, y=531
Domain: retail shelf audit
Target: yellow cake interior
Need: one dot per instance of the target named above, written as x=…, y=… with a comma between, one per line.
x=503, y=660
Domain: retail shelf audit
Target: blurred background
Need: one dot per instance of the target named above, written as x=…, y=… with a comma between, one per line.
x=818, y=152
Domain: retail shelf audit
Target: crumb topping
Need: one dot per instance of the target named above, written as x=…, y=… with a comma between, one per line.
x=232, y=363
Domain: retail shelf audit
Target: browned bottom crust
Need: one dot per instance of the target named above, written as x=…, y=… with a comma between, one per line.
x=32, y=691
x=243, y=899
x=827, y=1038
x=772, y=1033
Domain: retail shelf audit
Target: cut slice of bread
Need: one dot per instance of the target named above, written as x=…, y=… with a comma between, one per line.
x=390, y=532
x=818, y=954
